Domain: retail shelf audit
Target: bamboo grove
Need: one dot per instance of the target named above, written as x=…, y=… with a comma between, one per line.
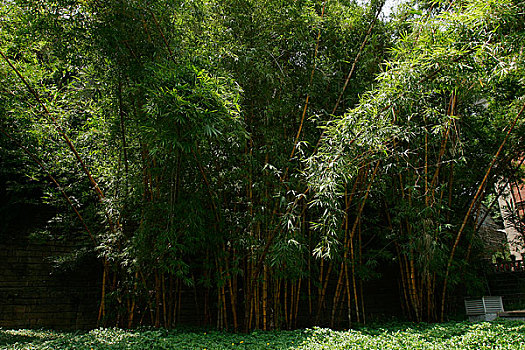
x=264, y=160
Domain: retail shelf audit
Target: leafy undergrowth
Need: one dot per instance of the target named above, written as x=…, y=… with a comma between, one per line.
x=497, y=335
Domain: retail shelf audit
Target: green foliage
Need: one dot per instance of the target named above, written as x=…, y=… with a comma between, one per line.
x=460, y=336
x=431, y=125
x=186, y=136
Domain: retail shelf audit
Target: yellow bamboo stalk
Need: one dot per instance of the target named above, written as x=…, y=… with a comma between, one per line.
x=164, y=311
x=102, y=308
x=404, y=282
x=265, y=298
x=298, y=293
x=277, y=303
x=324, y=285
x=362, y=297
x=356, y=300
x=224, y=309
x=286, y=303
x=131, y=314
x=348, y=296
x=292, y=299
x=337, y=293
x=157, y=299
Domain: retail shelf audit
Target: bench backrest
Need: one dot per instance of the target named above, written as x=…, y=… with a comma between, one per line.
x=484, y=305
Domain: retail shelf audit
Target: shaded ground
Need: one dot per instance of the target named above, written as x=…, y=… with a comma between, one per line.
x=449, y=336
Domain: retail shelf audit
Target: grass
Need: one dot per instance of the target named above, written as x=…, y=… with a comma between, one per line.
x=449, y=336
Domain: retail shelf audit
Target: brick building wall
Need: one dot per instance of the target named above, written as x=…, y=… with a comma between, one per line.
x=34, y=292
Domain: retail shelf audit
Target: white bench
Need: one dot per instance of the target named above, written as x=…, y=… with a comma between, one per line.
x=484, y=309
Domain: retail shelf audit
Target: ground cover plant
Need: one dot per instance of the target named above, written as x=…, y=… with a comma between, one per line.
x=452, y=335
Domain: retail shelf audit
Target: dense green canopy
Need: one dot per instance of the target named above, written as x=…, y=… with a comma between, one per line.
x=271, y=154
